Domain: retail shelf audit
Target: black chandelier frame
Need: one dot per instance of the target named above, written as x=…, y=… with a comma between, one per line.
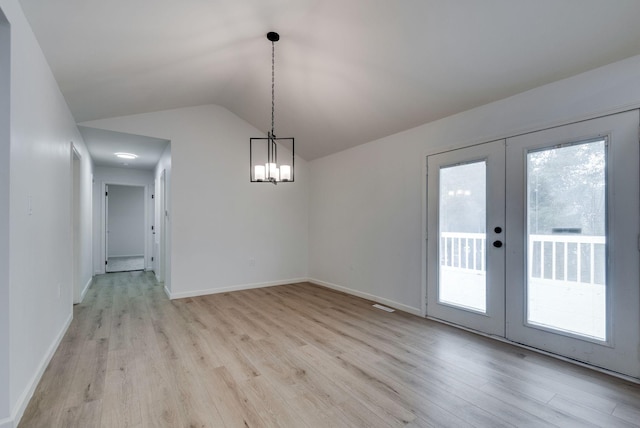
x=272, y=143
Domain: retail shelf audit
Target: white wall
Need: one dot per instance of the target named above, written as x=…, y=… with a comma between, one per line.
x=119, y=176
x=126, y=221
x=41, y=132
x=5, y=44
x=219, y=220
x=367, y=204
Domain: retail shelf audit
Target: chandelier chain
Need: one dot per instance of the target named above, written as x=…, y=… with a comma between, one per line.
x=273, y=86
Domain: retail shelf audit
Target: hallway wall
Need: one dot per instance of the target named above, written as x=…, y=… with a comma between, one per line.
x=5, y=153
x=161, y=220
x=40, y=291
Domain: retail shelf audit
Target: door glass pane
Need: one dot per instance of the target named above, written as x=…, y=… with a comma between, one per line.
x=462, y=280
x=566, y=213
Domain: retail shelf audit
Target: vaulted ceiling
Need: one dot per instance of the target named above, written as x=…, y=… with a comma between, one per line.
x=347, y=71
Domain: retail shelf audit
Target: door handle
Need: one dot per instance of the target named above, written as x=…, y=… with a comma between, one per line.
x=497, y=244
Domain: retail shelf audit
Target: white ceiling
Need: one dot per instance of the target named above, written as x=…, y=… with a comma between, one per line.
x=347, y=71
x=104, y=144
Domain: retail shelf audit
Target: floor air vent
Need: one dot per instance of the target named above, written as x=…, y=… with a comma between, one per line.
x=384, y=308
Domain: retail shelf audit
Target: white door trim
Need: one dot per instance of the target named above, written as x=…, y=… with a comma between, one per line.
x=148, y=237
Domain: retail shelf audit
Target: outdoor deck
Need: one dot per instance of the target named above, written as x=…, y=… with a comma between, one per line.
x=566, y=287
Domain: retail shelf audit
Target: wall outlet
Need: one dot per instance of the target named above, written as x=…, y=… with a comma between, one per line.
x=59, y=290
x=252, y=262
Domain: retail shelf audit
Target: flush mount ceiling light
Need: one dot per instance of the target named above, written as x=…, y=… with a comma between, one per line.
x=123, y=155
x=264, y=166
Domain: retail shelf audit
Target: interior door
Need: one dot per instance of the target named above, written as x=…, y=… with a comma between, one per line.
x=572, y=241
x=465, y=229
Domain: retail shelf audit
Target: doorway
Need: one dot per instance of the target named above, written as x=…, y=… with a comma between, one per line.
x=535, y=240
x=76, y=263
x=125, y=237
x=160, y=244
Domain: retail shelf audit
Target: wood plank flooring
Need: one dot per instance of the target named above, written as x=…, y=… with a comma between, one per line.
x=300, y=356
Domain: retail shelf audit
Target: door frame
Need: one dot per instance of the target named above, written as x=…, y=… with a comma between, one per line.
x=76, y=229
x=148, y=207
x=161, y=227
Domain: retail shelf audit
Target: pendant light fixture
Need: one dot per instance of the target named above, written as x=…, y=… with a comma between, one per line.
x=264, y=164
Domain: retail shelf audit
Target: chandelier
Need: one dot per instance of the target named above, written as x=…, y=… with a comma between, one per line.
x=264, y=165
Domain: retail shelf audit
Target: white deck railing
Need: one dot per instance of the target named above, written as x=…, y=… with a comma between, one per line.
x=463, y=250
x=575, y=258
x=578, y=258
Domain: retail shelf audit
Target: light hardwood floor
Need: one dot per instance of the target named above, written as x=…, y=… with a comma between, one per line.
x=300, y=356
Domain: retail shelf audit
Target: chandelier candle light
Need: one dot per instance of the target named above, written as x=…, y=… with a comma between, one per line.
x=263, y=152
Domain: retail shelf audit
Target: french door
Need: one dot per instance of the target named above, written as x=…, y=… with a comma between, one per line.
x=465, y=254
x=535, y=239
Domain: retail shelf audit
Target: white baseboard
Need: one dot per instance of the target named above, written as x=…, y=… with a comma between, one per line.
x=85, y=289
x=386, y=302
x=195, y=293
x=166, y=291
x=24, y=399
